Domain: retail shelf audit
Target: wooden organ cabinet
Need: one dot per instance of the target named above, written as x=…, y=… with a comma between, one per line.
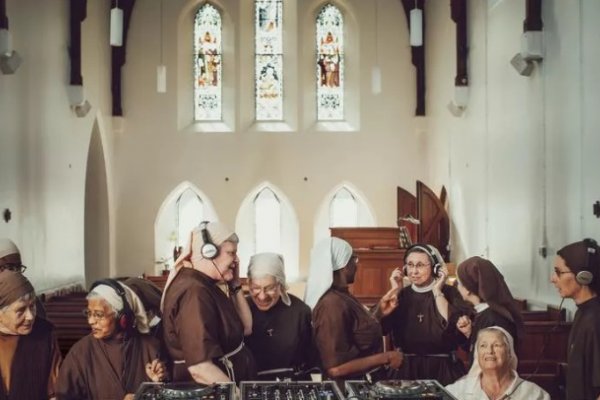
x=378, y=254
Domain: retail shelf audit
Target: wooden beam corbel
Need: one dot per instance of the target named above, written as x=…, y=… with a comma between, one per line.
x=119, y=57
x=418, y=55
x=533, y=16
x=3, y=15
x=458, y=12
x=77, y=13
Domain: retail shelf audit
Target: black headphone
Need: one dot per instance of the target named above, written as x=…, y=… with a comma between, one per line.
x=125, y=318
x=586, y=276
x=436, y=262
x=209, y=250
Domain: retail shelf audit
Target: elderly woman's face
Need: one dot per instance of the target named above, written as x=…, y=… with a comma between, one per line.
x=493, y=352
x=101, y=318
x=18, y=317
x=227, y=261
x=265, y=292
x=418, y=268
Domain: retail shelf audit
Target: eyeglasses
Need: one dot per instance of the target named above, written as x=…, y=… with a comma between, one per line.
x=419, y=266
x=558, y=272
x=13, y=267
x=96, y=315
x=270, y=290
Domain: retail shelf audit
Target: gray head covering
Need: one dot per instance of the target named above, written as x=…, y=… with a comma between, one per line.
x=328, y=255
x=111, y=296
x=191, y=255
x=513, y=360
x=265, y=264
x=7, y=247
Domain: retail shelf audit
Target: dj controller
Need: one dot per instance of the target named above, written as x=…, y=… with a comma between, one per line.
x=187, y=391
x=290, y=391
x=397, y=390
x=284, y=390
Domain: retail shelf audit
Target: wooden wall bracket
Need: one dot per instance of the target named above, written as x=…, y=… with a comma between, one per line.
x=77, y=13
x=118, y=57
x=458, y=12
x=418, y=55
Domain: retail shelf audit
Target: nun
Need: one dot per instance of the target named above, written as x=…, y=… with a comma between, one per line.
x=281, y=339
x=29, y=353
x=348, y=337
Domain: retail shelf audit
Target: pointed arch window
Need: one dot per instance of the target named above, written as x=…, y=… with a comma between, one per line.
x=207, y=64
x=343, y=209
x=267, y=221
x=268, y=59
x=189, y=213
x=330, y=64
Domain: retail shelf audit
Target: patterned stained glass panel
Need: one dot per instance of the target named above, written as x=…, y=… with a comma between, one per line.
x=268, y=59
x=207, y=64
x=330, y=64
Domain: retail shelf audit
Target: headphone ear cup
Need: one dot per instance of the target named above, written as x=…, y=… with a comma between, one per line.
x=584, y=277
x=209, y=251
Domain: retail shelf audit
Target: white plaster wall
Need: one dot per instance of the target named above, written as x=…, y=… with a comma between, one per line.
x=522, y=161
x=44, y=146
x=522, y=157
x=152, y=155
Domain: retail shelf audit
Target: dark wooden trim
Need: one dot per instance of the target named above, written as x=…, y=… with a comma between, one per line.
x=418, y=55
x=77, y=13
x=118, y=58
x=458, y=11
x=533, y=16
x=3, y=15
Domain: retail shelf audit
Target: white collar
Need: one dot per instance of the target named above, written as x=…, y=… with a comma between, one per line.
x=475, y=387
x=481, y=307
x=425, y=289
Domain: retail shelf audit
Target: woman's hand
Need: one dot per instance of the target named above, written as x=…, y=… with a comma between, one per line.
x=464, y=325
x=156, y=370
x=394, y=358
x=388, y=303
x=396, y=278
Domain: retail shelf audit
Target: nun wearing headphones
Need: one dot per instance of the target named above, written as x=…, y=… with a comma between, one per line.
x=117, y=356
x=576, y=276
x=205, y=314
x=423, y=324
x=348, y=337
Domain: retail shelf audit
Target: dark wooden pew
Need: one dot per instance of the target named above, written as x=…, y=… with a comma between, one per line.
x=66, y=314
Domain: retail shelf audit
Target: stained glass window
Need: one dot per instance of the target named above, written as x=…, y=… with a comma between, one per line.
x=267, y=217
x=268, y=62
x=330, y=64
x=207, y=64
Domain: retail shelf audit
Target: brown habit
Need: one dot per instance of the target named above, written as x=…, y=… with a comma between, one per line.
x=105, y=369
x=201, y=324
